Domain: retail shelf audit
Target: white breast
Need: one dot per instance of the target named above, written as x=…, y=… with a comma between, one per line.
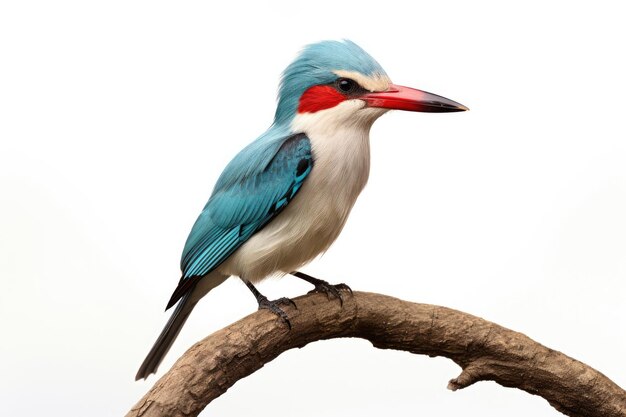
x=315, y=217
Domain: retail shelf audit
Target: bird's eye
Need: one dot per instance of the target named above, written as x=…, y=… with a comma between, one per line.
x=346, y=85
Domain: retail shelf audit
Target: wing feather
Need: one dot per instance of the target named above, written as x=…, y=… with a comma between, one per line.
x=240, y=208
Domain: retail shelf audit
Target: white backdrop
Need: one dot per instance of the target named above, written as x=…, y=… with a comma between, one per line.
x=117, y=117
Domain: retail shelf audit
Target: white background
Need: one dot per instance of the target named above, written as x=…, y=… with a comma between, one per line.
x=117, y=117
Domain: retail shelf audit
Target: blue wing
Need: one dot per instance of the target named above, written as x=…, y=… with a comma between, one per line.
x=247, y=196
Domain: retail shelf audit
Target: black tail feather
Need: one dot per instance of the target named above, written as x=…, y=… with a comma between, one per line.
x=167, y=337
x=185, y=286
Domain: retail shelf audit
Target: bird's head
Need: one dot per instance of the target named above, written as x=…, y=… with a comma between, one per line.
x=340, y=80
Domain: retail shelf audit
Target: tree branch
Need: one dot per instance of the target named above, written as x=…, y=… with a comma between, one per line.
x=485, y=351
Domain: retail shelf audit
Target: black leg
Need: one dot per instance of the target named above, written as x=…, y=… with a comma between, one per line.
x=272, y=306
x=323, y=286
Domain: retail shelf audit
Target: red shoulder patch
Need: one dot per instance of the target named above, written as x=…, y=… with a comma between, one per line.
x=319, y=97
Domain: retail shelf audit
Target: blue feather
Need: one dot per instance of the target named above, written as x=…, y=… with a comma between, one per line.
x=253, y=159
x=245, y=199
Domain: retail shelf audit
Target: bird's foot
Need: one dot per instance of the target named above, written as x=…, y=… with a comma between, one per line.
x=322, y=286
x=330, y=289
x=274, y=307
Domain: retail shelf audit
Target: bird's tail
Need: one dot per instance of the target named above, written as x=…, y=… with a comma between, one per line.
x=166, y=338
x=175, y=323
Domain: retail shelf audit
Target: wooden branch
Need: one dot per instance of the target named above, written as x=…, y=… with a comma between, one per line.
x=485, y=351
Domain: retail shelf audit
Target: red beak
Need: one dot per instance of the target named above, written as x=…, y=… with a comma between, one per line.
x=405, y=98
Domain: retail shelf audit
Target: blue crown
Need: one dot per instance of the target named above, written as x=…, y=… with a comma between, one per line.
x=315, y=66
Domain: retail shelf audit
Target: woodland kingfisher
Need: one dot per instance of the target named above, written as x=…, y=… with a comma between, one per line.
x=286, y=196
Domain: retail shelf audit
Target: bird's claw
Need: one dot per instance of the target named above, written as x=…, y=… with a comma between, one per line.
x=329, y=289
x=273, y=306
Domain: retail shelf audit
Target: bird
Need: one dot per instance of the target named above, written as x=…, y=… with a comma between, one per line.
x=285, y=197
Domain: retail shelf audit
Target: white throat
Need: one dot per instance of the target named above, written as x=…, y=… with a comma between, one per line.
x=340, y=141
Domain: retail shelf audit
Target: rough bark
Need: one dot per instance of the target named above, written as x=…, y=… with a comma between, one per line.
x=484, y=350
